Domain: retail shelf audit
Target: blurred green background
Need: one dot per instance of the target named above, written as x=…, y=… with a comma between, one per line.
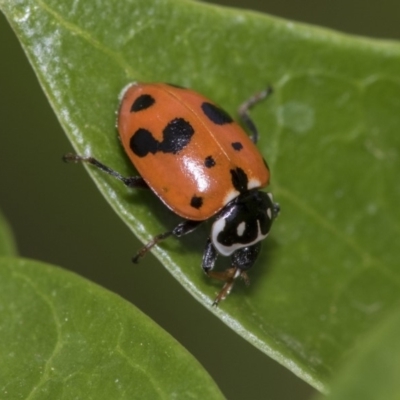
x=58, y=216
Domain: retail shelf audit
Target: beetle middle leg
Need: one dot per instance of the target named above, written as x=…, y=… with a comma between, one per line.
x=181, y=229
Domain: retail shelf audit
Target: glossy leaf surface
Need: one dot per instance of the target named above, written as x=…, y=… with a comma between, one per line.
x=330, y=135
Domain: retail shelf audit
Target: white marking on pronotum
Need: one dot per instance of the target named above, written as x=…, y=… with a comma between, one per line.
x=230, y=196
x=219, y=226
x=269, y=213
x=253, y=183
x=240, y=228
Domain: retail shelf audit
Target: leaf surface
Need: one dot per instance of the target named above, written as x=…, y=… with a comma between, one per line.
x=329, y=133
x=373, y=372
x=63, y=337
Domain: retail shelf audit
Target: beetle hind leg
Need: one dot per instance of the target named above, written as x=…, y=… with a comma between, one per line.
x=130, y=181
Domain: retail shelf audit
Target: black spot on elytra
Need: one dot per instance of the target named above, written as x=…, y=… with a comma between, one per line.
x=142, y=102
x=237, y=146
x=216, y=114
x=239, y=179
x=209, y=162
x=143, y=142
x=176, y=136
x=196, y=202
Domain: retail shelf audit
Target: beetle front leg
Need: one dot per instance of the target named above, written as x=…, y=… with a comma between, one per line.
x=228, y=276
x=245, y=257
x=242, y=260
x=210, y=256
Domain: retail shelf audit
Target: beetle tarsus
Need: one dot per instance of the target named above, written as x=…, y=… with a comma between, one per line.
x=228, y=276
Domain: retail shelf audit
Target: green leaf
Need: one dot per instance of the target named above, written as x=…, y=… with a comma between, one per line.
x=329, y=133
x=64, y=337
x=373, y=372
x=7, y=244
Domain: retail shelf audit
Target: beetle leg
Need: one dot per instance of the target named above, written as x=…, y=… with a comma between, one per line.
x=210, y=256
x=242, y=260
x=228, y=276
x=181, y=229
x=131, y=181
x=245, y=257
x=244, y=108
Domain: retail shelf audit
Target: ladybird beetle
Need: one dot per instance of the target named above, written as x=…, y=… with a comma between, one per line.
x=201, y=164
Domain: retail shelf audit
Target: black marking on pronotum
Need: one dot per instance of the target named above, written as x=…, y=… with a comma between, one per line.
x=176, y=136
x=229, y=236
x=251, y=209
x=142, y=102
x=239, y=179
x=209, y=162
x=196, y=202
x=216, y=114
x=237, y=146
